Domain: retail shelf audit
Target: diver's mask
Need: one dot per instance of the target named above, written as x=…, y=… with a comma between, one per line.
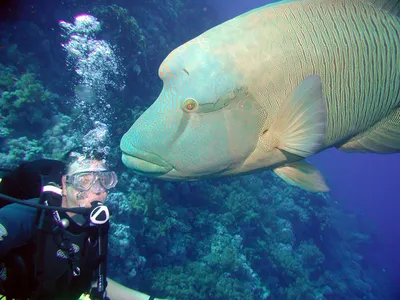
x=83, y=181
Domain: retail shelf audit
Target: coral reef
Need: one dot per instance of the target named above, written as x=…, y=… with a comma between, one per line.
x=21, y=95
x=250, y=237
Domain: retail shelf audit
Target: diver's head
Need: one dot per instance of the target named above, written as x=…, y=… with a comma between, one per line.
x=87, y=179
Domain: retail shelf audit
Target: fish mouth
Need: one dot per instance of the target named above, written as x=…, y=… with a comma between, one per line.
x=145, y=163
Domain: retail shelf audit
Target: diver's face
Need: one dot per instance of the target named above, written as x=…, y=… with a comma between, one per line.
x=76, y=198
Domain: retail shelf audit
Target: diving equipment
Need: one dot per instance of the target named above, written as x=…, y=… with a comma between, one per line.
x=83, y=181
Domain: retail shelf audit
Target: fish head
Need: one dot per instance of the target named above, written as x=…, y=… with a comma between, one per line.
x=204, y=123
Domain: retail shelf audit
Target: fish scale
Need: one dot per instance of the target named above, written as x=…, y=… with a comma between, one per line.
x=339, y=41
x=272, y=87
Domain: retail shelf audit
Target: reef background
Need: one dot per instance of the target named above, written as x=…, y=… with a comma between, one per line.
x=248, y=237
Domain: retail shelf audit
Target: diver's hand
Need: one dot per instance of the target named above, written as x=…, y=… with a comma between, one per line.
x=117, y=291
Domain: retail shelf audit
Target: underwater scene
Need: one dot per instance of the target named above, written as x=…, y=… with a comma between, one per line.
x=255, y=142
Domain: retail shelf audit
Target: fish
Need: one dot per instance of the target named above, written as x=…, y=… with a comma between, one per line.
x=272, y=87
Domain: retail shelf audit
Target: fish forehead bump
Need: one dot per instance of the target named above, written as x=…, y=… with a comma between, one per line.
x=185, y=55
x=198, y=69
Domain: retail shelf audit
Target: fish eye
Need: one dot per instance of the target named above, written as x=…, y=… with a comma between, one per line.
x=190, y=105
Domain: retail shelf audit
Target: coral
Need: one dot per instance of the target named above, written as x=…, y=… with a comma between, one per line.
x=122, y=244
x=7, y=77
x=289, y=208
x=123, y=28
x=58, y=139
x=300, y=288
x=139, y=204
x=148, y=203
x=20, y=150
x=283, y=232
x=4, y=130
x=24, y=101
x=196, y=280
x=224, y=253
x=285, y=261
x=119, y=205
x=311, y=257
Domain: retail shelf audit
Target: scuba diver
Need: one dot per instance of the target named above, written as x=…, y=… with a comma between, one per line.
x=53, y=237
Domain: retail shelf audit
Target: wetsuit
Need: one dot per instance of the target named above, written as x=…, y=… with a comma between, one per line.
x=39, y=259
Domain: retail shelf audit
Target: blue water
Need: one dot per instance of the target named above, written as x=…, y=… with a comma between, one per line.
x=368, y=184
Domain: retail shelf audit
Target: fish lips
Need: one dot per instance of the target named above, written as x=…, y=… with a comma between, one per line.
x=145, y=163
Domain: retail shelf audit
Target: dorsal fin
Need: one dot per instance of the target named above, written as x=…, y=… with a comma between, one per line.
x=392, y=6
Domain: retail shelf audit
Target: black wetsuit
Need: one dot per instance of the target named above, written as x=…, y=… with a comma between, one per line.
x=40, y=259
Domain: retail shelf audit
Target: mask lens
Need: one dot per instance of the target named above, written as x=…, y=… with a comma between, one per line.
x=83, y=181
x=108, y=179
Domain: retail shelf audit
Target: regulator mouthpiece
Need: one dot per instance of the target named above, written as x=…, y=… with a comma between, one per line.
x=99, y=213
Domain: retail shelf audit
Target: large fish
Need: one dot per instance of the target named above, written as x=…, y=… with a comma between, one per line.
x=271, y=87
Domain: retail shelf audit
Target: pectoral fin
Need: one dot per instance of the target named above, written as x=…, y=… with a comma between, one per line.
x=304, y=175
x=300, y=125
